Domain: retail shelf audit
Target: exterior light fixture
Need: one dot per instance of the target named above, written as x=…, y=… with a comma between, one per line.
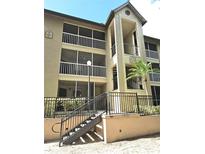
x=89, y=64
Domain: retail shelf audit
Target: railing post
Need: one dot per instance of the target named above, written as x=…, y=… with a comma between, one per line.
x=106, y=103
x=137, y=103
x=94, y=108
x=61, y=127
x=55, y=107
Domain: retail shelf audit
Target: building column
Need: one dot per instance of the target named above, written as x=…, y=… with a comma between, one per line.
x=109, y=73
x=141, y=48
x=121, y=80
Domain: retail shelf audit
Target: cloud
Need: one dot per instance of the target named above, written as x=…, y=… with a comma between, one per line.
x=149, y=9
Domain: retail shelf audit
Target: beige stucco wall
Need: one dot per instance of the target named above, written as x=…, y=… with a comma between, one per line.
x=116, y=127
x=52, y=51
x=49, y=135
x=121, y=127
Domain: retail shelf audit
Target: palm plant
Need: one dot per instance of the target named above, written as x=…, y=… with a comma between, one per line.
x=141, y=69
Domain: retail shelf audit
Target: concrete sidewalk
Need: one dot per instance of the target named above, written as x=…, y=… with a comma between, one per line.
x=146, y=145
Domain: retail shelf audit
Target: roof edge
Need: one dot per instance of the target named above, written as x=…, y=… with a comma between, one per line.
x=73, y=17
x=111, y=15
x=152, y=37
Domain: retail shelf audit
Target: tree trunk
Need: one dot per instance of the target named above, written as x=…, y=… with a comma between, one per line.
x=146, y=91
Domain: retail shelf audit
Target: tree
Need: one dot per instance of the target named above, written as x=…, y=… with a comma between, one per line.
x=141, y=69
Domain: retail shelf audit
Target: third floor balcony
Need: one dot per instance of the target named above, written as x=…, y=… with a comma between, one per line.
x=82, y=40
x=82, y=36
x=151, y=50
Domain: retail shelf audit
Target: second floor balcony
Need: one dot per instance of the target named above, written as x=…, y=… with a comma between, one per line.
x=152, y=54
x=128, y=49
x=82, y=69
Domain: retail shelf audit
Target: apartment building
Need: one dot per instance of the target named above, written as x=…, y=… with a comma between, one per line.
x=110, y=48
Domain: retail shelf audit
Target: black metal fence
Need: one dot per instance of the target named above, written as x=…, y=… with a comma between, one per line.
x=116, y=103
x=148, y=105
x=123, y=103
x=58, y=107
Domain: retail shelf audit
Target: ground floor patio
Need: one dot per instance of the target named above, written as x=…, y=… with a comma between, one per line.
x=73, y=89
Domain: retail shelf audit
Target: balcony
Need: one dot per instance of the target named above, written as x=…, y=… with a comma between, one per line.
x=83, y=41
x=152, y=54
x=82, y=69
x=154, y=76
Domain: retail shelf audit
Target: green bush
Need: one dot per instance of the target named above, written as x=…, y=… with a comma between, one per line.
x=72, y=104
x=148, y=110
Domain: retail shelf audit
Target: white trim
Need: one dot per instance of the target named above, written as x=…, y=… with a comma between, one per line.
x=82, y=64
x=84, y=37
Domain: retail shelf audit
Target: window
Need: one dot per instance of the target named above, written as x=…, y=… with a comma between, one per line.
x=78, y=93
x=98, y=60
x=70, y=29
x=155, y=66
x=153, y=47
x=69, y=56
x=135, y=40
x=62, y=92
x=156, y=95
x=85, y=32
x=115, y=86
x=150, y=46
x=83, y=57
x=146, y=45
x=99, y=35
x=127, y=12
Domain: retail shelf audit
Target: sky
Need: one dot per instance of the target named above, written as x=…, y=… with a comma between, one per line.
x=99, y=10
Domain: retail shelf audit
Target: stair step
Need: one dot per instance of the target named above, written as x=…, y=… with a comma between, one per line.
x=76, y=129
x=90, y=137
x=98, y=135
x=77, y=141
x=99, y=126
x=88, y=121
x=82, y=125
x=71, y=133
x=95, y=137
x=81, y=138
x=79, y=134
x=92, y=118
x=65, y=137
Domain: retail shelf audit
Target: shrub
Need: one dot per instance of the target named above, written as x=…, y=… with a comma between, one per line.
x=72, y=104
x=148, y=110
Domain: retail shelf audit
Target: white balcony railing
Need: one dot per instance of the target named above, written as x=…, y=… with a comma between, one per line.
x=154, y=76
x=83, y=40
x=82, y=69
x=152, y=54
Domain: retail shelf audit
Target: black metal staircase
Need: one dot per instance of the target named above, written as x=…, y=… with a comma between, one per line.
x=82, y=119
